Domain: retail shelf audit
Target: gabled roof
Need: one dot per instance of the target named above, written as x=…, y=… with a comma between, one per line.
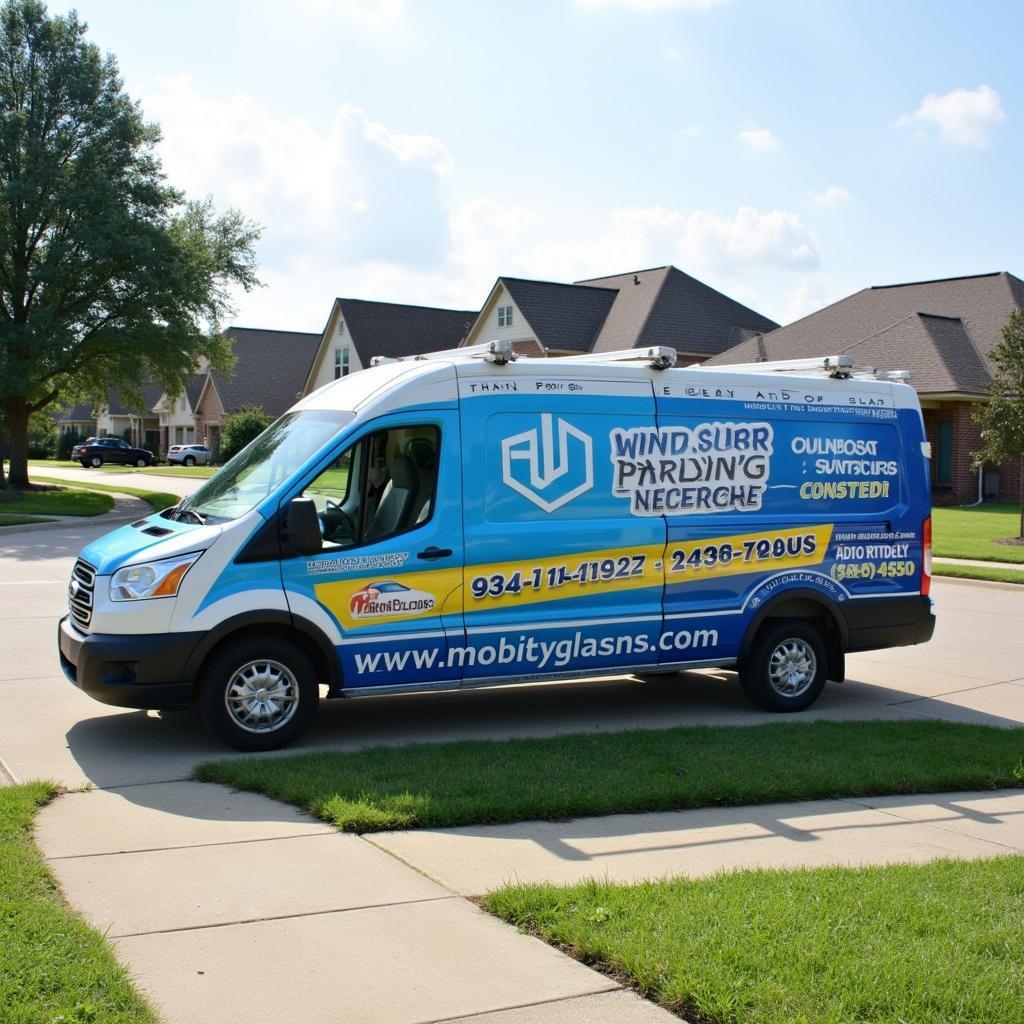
x=563, y=316
x=664, y=306
x=83, y=411
x=270, y=369
x=942, y=331
x=396, y=329
x=118, y=406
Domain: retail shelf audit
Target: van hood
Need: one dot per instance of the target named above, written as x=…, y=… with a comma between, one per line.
x=132, y=543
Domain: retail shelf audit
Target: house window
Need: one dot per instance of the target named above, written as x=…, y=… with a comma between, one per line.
x=340, y=362
x=341, y=328
x=504, y=316
x=944, y=462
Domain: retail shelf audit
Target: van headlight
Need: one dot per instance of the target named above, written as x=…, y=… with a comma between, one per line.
x=151, y=579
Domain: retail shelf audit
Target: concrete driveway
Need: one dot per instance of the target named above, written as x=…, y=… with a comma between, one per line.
x=971, y=671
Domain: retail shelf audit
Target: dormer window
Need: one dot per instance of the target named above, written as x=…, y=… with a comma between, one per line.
x=504, y=316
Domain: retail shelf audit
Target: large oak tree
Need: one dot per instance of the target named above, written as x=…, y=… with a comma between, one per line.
x=108, y=278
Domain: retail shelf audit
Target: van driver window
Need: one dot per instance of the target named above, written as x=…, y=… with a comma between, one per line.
x=382, y=486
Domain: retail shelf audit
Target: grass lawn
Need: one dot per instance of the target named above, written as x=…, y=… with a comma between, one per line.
x=972, y=532
x=486, y=781
x=940, y=943
x=978, y=572
x=53, y=967
x=6, y=520
x=65, y=502
x=157, y=500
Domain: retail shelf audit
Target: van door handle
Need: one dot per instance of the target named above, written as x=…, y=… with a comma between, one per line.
x=432, y=553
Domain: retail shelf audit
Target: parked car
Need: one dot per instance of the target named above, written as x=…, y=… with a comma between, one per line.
x=94, y=451
x=189, y=454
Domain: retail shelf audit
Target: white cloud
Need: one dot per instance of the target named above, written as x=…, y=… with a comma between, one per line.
x=347, y=188
x=749, y=237
x=834, y=195
x=758, y=138
x=813, y=292
x=649, y=6
x=966, y=117
x=689, y=131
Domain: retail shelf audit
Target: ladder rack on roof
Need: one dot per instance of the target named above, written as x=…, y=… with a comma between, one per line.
x=838, y=367
x=500, y=352
x=661, y=357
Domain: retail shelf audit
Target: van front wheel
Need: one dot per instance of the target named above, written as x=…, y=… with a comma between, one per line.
x=258, y=693
x=786, y=667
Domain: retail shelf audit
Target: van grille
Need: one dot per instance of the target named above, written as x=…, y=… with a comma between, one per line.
x=80, y=593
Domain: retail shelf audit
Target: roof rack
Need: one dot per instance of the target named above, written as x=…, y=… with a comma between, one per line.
x=499, y=352
x=661, y=357
x=839, y=367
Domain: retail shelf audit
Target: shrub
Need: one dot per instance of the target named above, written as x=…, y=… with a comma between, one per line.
x=240, y=428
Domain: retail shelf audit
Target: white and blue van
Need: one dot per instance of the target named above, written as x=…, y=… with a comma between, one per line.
x=472, y=519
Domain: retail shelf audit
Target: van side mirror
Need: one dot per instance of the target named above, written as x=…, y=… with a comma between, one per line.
x=302, y=528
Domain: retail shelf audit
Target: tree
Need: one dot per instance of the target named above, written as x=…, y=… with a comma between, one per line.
x=108, y=277
x=1001, y=418
x=240, y=428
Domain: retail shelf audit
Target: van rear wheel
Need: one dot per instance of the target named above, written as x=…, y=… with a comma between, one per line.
x=786, y=667
x=258, y=693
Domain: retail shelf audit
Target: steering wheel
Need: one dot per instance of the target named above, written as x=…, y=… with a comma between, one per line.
x=335, y=523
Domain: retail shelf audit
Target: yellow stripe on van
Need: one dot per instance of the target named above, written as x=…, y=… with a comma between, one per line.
x=504, y=584
x=403, y=597
x=766, y=551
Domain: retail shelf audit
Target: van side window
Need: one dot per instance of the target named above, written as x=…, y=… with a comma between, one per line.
x=382, y=486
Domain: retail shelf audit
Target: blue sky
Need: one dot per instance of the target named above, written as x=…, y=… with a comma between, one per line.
x=412, y=150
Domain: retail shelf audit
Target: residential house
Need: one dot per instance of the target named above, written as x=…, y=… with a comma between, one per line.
x=177, y=413
x=358, y=329
x=271, y=368
x=660, y=306
x=137, y=422
x=942, y=332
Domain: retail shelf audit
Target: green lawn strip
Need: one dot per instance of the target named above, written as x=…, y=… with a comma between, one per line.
x=55, y=463
x=53, y=967
x=973, y=532
x=157, y=500
x=6, y=520
x=65, y=502
x=190, y=472
x=432, y=785
x=978, y=572
x=939, y=943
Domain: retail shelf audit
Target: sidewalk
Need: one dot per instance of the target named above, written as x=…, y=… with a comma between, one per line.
x=232, y=907
x=978, y=563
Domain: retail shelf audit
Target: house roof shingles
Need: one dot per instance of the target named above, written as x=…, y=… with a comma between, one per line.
x=395, y=329
x=941, y=331
x=563, y=316
x=270, y=369
x=664, y=306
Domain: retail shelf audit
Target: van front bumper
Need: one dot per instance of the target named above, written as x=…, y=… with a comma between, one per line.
x=144, y=671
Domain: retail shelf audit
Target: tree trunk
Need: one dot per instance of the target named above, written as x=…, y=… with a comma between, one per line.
x=17, y=437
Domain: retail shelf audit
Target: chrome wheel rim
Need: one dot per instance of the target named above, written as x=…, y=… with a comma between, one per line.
x=792, y=667
x=262, y=696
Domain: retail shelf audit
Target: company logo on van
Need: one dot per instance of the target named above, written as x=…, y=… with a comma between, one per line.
x=386, y=598
x=549, y=465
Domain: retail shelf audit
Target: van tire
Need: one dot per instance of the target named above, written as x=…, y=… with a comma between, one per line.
x=787, y=655
x=236, y=674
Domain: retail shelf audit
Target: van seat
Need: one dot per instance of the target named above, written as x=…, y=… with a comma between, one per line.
x=399, y=499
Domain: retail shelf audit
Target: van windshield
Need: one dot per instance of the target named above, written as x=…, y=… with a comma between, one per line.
x=262, y=466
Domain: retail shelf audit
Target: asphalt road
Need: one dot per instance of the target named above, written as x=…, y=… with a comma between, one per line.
x=972, y=670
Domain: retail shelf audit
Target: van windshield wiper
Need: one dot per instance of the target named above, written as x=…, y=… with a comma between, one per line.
x=179, y=512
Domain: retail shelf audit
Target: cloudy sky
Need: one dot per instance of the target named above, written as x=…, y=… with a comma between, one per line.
x=412, y=150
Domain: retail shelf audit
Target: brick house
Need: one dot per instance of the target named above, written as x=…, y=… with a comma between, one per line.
x=942, y=332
